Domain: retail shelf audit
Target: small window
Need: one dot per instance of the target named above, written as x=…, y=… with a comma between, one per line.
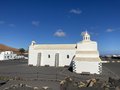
x=49, y=56
x=67, y=56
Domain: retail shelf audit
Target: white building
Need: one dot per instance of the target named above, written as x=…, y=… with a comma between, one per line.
x=87, y=56
x=7, y=55
x=20, y=57
x=84, y=55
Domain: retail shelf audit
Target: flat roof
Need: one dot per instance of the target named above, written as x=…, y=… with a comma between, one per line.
x=87, y=59
x=55, y=46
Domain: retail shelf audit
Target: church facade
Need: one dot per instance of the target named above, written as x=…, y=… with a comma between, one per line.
x=84, y=54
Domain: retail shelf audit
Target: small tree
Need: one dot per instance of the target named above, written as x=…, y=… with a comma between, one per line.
x=21, y=50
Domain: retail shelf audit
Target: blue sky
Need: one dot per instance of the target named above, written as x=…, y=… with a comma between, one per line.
x=60, y=21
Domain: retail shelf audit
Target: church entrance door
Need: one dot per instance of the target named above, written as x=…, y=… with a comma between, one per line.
x=39, y=59
x=56, y=59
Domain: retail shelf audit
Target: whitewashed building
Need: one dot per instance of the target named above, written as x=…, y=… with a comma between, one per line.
x=87, y=56
x=20, y=57
x=7, y=55
x=84, y=55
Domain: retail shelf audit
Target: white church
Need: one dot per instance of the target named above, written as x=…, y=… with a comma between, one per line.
x=84, y=54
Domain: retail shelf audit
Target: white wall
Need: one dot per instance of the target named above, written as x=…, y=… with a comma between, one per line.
x=1, y=56
x=87, y=46
x=45, y=60
x=32, y=57
x=88, y=55
x=88, y=50
x=85, y=66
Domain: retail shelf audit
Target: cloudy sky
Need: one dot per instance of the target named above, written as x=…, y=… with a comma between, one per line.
x=60, y=21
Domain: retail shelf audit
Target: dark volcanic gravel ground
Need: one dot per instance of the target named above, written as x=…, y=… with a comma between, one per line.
x=41, y=76
x=115, y=67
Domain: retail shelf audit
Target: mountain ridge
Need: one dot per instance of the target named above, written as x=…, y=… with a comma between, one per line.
x=8, y=48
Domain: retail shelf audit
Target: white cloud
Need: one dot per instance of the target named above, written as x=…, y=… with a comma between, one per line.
x=110, y=30
x=60, y=33
x=35, y=23
x=8, y=24
x=12, y=25
x=75, y=11
x=2, y=22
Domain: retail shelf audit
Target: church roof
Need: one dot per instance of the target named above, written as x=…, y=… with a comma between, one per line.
x=86, y=42
x=87, y=52
x=86, y=33
x=55, y=46
x=87, y=59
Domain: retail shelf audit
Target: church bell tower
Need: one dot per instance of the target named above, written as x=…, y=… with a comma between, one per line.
x=86, y=36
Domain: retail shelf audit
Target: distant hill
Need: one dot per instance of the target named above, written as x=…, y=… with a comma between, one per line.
x=8, y=48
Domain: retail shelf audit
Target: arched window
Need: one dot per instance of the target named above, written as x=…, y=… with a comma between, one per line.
x=67, y=56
